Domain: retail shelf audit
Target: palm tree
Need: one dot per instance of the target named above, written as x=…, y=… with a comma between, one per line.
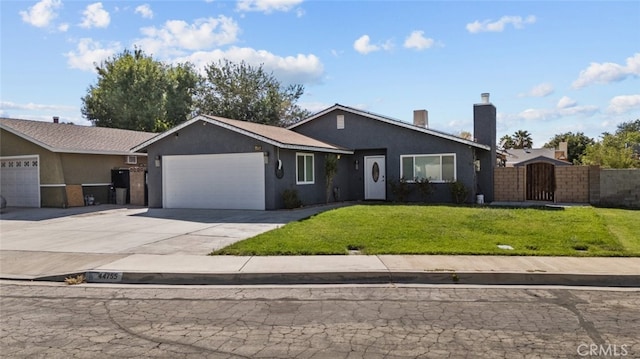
x=522, y=139
x=506, y=142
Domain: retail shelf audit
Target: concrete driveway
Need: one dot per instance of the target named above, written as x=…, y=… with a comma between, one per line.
x=109, y=229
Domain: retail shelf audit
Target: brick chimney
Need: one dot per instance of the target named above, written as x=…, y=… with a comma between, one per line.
x=56, y=119
x=421, y=118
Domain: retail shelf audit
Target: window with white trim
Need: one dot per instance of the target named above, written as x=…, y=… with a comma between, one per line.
x=435, y=168
x=304, y=168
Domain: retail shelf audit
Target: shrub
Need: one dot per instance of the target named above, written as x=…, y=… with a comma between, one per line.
x=291, y=200
x=425, y=188
x=459, y=192
x=400, y=189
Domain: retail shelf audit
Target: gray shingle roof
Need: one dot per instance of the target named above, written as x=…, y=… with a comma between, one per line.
x=392, y=121
x=58, y=137
x=277, y=136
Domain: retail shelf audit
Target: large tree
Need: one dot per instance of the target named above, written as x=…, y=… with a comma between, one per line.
x=136, y=92
x=576, y=145
x=243, y=92
x=619, y=150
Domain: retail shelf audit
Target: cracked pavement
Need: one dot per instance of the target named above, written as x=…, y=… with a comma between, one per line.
x=380, y=321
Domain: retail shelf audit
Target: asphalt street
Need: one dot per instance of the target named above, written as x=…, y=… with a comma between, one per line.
x=383, y=321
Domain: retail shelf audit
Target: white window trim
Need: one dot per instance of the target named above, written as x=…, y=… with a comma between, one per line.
x=455, y=165
x=313, y=164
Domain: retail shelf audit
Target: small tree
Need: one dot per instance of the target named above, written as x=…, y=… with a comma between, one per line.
x=330, y=170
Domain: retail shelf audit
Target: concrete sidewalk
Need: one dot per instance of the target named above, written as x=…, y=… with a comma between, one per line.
x=154, y=246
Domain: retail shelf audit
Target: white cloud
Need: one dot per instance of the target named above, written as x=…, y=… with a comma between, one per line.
x=417, y=41
x=363, y=45
x=299, y=69
x=532, y=114
x=566, y=102
x=8, y=105
x=624, y=103
x=95, y=16
x=64, y=27
x=541, y=90
x=498, y=26
x=177, y=35
x=42, y=13
x=89, y=53
x=607, y=72
x=268, y=6
x=144, y=11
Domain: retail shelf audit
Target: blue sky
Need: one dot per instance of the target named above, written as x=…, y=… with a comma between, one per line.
x=550, y=66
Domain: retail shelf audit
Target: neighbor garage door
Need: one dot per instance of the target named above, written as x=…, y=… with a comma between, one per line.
x=20, y=181
x=221, y=181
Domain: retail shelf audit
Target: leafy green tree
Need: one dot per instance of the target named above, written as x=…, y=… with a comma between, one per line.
x=136, y=92
x=619, y=150
x=577, y=144
x=242, y=92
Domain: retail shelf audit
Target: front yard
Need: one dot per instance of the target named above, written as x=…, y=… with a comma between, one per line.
x=448, y=229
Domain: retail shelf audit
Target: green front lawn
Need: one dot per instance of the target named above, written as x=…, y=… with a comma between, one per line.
x=443, y=229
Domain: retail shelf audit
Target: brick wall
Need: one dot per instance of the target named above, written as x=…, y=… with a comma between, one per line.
x=572, y=184
x=620, y=187
x=508, y=184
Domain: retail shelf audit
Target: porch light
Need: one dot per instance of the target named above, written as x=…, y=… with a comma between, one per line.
x=158, y=161
x=356, y=164
x=266, y=157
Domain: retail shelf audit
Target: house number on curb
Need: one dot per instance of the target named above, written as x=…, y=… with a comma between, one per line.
x=104, y=277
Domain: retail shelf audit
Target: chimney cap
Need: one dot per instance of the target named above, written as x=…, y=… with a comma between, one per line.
x=484, y=97
x=56, y=119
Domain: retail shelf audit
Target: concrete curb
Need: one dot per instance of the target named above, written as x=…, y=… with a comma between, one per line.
x=373, y=277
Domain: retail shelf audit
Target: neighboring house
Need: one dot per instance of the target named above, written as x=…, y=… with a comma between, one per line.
x=213, y=162
x=521, y=157
x=56, y=165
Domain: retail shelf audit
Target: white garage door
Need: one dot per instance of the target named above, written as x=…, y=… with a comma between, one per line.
x=20, y=180
x=221, y=181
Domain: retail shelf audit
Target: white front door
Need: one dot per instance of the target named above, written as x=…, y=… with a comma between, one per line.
x=375, y=184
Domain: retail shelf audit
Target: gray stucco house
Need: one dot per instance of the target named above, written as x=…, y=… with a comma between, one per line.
x=213, y=162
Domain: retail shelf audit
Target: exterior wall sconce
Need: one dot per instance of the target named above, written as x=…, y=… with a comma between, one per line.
x=356, y=164
x=158, y=161
x=476, y=165
x=266, y=157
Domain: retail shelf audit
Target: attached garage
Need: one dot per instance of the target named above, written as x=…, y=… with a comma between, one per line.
x=20, y=182
x=215, y=181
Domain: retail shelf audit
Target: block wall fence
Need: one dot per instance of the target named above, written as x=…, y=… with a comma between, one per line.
x=575, y=184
